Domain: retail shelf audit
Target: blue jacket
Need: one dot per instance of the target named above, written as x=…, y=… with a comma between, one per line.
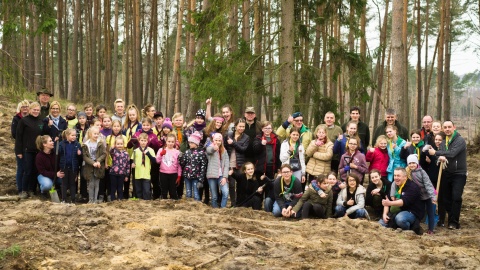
x=62, y=155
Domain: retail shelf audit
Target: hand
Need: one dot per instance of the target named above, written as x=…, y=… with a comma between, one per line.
x=385, y=218
x=230, y=172
x=79, y=152
x=407, y=144
x=340, y=137
x=293, y=214
x=260, y=190
x=20, y=156
x=264, y=142
x=263, y=176
x=60, y=174
x=442, y=158
x=133, y=165
x=434, y=200
x=292, y=148
x=375, y=191
x=372, y=149
x=163, y=152
x=215, y=147
x=208, y=101
x=350, y=202
x=286, y=212
x=290, y=119
x=353, y=165
x=229, y=141
x=223, y=181
x=386, y=202
x=318, y=142
x=323, y=195
x=427, y=159
x=177, y=182
x=303, y=179
x=346, y=168
x=50, y=122
x=431, y=151
x=126, y=179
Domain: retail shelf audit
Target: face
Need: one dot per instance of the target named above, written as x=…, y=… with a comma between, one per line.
x=116, y=128
x=332, y=180
x=55, y=110
x=448, y=128
x=199, y=120
x=143, y=142
x=375, y=178
x=249, y=169
x=218, y=124
x=97, y=124
x=35, y=111
x=391, y=133
x=151, y=112
x=101, y=113
x=192, y=145
x=352, y=129
x=159, y=121
x=382, y=144
x=178, y=122
x=132, y=115
x=436, y=127
x=71, y=110
x=82, y=120
x=286, y=173
x=249, y=116
x=416, y=138
x=399, y=178
x=438, y=140
x=24, y=110
x=267, y=130
x=166, y=130
x=217, y=141
x=355, y=115
x=226, y=113
x=329, y=119
x=89, y=111
x=119, y=144
x=44, y=98
x=412, y=165
x=321, y=134
x=324, y=184
x=352, y=144
x=427, y=122
x=146, y=126
x=107, y=122
x=240, y=128
x=119, y=108
x=294, y=136
x=390, y=118
x=49, y=144
x=95, y=135
x=71, y=136
x=298, y=122
x=170, y=142
x=351, y=182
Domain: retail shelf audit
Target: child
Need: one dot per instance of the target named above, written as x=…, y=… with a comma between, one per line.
x=415, y=146
x=142, y=158
x=130, y=127
x=177, y=120
x=353, y=161
x=351, y=200
x=69, y=151
x=170, y=169
x=120, y=169
x=88, y=109
x=316, y=201
x=427, y=191
x=100, y=112
x=71, y=116
x=292, y=152
x=249, y=193
x=158, y=118
x=94, y=155
x=320, y=152
x=377, y=189
x=217, y=170
x=194, y=165
x=197, y=125
x=111, y=141
x=81, y=127
x=167, y=128
x=378, y=156
x=336, y=185
x=106, y=126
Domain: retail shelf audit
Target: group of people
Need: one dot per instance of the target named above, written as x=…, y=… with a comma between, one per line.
x=290, y=171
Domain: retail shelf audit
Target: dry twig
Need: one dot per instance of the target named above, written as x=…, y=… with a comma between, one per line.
x=213, y=260
x=78, y=229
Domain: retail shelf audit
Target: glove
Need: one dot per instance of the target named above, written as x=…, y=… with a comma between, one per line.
x=199, y=185
x=163, y=152
x=346, y=168
x=315, y=185
x=177, y=182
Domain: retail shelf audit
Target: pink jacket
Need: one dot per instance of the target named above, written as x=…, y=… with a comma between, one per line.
x=378, y=160
x=169, y=161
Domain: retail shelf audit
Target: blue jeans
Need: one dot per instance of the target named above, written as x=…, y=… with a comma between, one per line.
x=213, y=183
x=47, y=183
x=340, y=211
x=268, y=204
x=404, y=220
x=277, y=211
x=192, y=185
x=19, y=175
x=142, y=187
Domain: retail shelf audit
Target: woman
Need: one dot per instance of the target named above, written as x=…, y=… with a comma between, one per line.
x=227, y=114
x=377, y=189
x=28, y=129
x=353, y=162
x=394, y=146
x=45, y=162
x=148, y=111
x=266, y=147
x=351, y=200
x=71, y=116
x=54, y=124
x=22, y=111
x=236, y=144
x=320, y=152
x=293, y=153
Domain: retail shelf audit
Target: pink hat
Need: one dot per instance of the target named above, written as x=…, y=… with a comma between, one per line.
x=217, y=136
x=195, y=138
x=167, y=124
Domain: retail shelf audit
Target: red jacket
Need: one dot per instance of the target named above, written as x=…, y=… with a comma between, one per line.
x=378, y=160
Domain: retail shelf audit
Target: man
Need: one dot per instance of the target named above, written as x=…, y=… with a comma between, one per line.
x=119, y=107
x=295, y=120
x=452, y=150
x=390, y=120
x=406, y=210
x=426, y=132
x=333, y=132
x=363, y=130
x=253, y=127
x=44, y=96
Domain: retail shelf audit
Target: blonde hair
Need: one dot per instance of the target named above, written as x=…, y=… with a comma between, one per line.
x=21, y=104
x=56, y=103
x=40, y=141
x=127, y=119
x=379, y=138
x=90, y=131
x=143, y=136
x=68, y=131
x=34, y=105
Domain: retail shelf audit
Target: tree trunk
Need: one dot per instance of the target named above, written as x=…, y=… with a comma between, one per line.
x=73, y=89
x=107, y=53
x=191, y=57
x=398, y=63
x=286, y=58
x=426, y=90
x=138, y=71
x=419, y=67
x=441, y=43
x=175, y=90
x=115, y=52
x=446, y=74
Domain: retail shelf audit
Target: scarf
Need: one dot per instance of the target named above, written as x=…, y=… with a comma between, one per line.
x=284, y=191
x=398, y=190
x=70, y=117
x=55, y=120
x=199, y=127
x=130, y=126
x=418, y=147
x=449, y=139
x=295, y=151
x=303, y=129
x=179, y=134
x=143, y=154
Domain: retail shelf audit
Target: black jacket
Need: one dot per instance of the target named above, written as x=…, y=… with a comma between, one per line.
x=55, y=131
x=27, y=131
x=260, y=154
x=456, y=155
x=240, y=147
x=245, y=187
x=14, y=125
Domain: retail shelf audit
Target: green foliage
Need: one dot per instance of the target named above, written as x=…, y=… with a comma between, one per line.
x=12, y=251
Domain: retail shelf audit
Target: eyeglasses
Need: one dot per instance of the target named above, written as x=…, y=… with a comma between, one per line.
x=71, y=110
x=352, y=144
x=54, y=109
x=267, y=128
x=285, y=172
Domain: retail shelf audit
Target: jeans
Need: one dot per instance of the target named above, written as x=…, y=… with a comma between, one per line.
x=116, y=186
x=47, y=183
x=340, y=211
x=430, y=214
x=214, y=183
x=19, y=175
x=277, y=211
x=142, y=187
x=404, y=220
x=191, y=184
x=268, y=204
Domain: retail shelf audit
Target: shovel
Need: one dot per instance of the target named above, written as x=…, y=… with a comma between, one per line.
x=438, y=186
x=54, y=195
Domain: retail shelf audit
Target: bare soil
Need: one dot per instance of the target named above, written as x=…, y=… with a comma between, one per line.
x=183, y=234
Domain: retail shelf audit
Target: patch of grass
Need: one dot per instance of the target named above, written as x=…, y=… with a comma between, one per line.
x=13, y=251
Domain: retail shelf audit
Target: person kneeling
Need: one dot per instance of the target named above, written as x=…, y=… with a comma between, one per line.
x=317, y=200
x=351, y=200
x=287, y=190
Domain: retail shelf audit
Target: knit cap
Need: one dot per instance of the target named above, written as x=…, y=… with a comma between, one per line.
x=167, y=124
x=201, y=113
x=82, y=114
x=195, y=138
x=412, y=158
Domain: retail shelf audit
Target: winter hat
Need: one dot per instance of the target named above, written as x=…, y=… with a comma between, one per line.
x=297, y=114
x=201, y=113
x=217, y=136
x=195, y=138
x=167, y=124
x=412, y=158
x=82, y=114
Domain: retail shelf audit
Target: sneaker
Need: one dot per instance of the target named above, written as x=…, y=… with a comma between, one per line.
x=440, y=224
x=453, y=226
x=100, y=199
x=23, y=195
x=31, y=194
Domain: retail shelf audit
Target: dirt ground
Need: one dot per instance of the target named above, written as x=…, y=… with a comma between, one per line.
x=184, y=234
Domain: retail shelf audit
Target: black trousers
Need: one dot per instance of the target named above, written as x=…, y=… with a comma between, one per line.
x=450, y=197
x=68, y=182
x=315, y=210
x=168, y=186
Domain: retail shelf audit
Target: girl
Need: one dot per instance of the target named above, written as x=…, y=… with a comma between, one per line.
x=249, y=193
x=320, y=152
x=130, y=127
x=94, y=155
x=336, y=185
x=339, y=147
x=120, y=168
x=217, y=170
x=148, y=111
x=158, y=122
x=54, y=124
x=292, y=152
x=45, y=163
x=378, y=156
x=394, y=146
x=88, y=109
x=68, y=152
x=167, y=128
x=215, y=126
x=197, y=125
x=177, y=120
x=71, y=115
x=377, y=189
x=227, y=114
x=100, y=112
x=81, y=127
x=143, y=157
x=427, y=191
x=111, y=141
x=236, y=144
x=352, y=161
x=432, y=168
x=351, y=200
x=436, y=127
x=194, y=165
x=170, y=169
x=316, y=201
x=415, y=146
x=106, y=126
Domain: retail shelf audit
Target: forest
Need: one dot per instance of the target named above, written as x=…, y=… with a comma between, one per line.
x=278, y=56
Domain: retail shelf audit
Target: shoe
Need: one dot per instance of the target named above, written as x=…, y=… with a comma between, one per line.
x=440, y=224
x=23, y=195
x=44, y=196
x=31, y=194
x=430, y=232
x=100, y=199
x=453, y=226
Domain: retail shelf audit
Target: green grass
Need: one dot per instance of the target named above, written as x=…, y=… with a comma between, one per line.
x=12, y=251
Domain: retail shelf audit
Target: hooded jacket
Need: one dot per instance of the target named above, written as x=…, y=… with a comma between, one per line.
x=312, y=196
x=359, y=199
x=320, y=158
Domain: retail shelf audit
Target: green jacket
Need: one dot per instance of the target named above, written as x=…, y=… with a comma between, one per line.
x=312, y=196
